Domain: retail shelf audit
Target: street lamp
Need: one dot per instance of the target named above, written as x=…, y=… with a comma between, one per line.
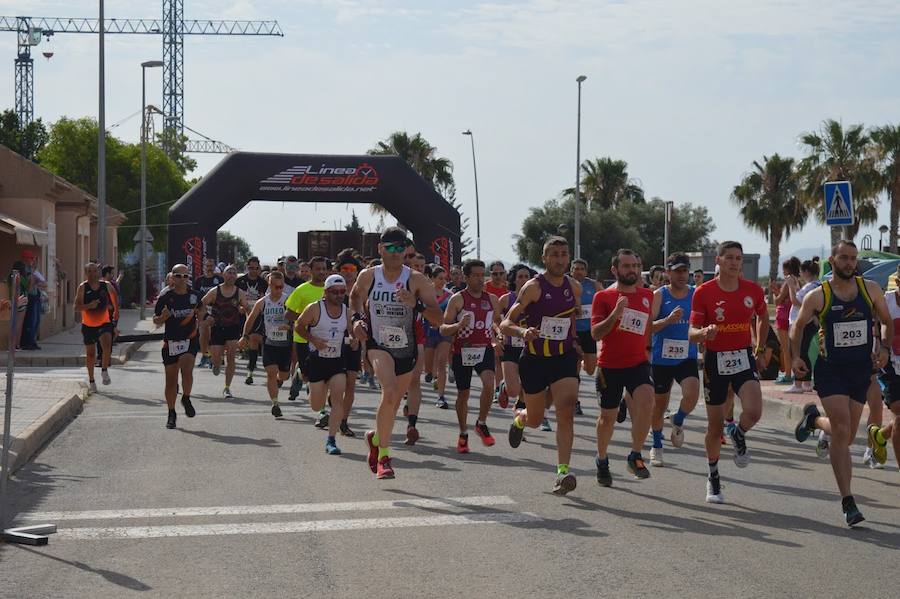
x=882, y=229
x=580, y=80
x=477, y=210
x=150, y=64
x=101, y=147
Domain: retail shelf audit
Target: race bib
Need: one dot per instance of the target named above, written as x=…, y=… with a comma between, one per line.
x=732, y=362
x=176, y=348
x=393, y=337
x=472, y=355
x=516, y=342
x=850, y=334
x=332, y=350
x=556, y=329
x=675, y=349
x=585, y=311
x=633, y=321
x=279, y=335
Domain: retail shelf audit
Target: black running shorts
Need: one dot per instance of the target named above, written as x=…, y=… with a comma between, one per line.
x=612, y=382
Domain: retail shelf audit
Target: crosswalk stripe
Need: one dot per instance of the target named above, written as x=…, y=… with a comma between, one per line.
x=241, y=510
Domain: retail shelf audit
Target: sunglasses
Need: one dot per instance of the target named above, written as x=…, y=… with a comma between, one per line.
x=178, y=275
x=395, y=248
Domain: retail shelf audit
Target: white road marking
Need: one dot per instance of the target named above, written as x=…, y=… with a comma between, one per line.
x=243, y=510
x=250, y=528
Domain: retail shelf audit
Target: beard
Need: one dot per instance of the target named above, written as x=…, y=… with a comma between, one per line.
x=627, y=279
x=846, y=277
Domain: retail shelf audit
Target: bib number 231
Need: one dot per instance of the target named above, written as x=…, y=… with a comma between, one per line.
x=732, y=362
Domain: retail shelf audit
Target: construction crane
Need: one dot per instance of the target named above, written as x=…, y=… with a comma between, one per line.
x=173, y=28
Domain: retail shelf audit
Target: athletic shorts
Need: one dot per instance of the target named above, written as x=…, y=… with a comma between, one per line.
x=432, y=341
x=193, y=350
x=220, y=335
x=401, y=365
x=537, y=373
x=842, y=379
x=91, y=335
x=587, y=343
x=664, y=374
x=463, y=374
x=612, y=382
x=277, y=355
x=322, y=369
x=302, y=351
x=890, y=384
x=511, y=354
x=716, y=385
x=353, y=358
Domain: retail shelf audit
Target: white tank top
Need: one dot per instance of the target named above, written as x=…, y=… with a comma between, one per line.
x=890, y=298
x=332, y=330
x=273, y=319
x=392, y=322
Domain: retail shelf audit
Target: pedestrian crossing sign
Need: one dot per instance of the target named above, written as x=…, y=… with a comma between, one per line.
x=838, y=204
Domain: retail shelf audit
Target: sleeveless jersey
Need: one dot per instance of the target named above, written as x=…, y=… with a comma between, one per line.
x=98, y=316
x=331, y=330
x=509, y=341
x=552, y=315
x=891, y=299
x=391, y=322
x=845, y=326
x=671, y=345
x=273, y=320
x=588, y=289
x=479, y=332
x=226, y=312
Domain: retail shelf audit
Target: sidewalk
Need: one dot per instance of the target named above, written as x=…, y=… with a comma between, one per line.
x=40, y=408
x=67, y=348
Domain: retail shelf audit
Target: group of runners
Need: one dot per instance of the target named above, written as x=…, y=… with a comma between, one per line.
x=527, y=336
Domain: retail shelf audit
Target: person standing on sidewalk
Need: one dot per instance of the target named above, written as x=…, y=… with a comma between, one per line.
x=95, y=299
x=36, y=286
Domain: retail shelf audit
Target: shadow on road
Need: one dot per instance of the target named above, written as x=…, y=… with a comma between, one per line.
x=116, y=578
x=232, y=439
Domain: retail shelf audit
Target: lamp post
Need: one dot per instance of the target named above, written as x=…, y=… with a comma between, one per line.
x=150, y=64
x=477, y=210
x=580, y=80
x=101, y=149
x=882, y=229
x=669, y=207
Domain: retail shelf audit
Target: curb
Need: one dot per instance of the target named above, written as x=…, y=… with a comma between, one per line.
x=122, y=354
x=24, y=446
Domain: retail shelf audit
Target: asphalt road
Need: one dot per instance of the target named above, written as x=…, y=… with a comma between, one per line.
x=236, y=504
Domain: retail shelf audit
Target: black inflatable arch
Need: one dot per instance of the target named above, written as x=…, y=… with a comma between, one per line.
x=242, y=177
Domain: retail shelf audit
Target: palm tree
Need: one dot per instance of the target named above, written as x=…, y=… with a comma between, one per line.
x=887, y=151
x=770, y=203
x=838, y=154
x=605, y=183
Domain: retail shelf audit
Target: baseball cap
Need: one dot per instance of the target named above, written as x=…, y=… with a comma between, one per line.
x=335, y=281
x=679, y=262
x=27, y=254
x=394, y=235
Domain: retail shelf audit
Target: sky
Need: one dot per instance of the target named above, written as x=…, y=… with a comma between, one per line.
x=689, y=93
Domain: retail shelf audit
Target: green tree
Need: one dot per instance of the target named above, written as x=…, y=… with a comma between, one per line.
x=605, y=184
x=449, y=194
x=769, y=197
x=887, y=148
x=176, y=147
x=232, y=248
x=839, y=154
x=26, y=141
x=354, y=226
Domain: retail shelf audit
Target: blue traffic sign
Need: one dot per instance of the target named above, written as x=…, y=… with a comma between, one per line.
x=838, y=204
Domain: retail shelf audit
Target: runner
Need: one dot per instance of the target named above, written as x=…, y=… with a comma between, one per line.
x=790, y=270
x=204, y=283
x=348, y=267
x=496, y=286
x=178, y=308
x=846, y=308
x=674, y=357
x=307, y=293
x=416, y=262
x=94, y=300
x=470, y=319
x=305, y=271
x=583, y=324
x=544, y=316
x=269, y=310
x=292, y=276
x=698, y=277
x=326, y=324
x=384, y=301
x=722, y=311
x=620, y=320
x=456, y=279
x=437, y=347
x=227, y=301
x=254, y=286
x=512, y=346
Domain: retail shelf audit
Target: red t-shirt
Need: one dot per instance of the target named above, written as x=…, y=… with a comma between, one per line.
x=498, y=291
x=626, y=345
x=730, y=311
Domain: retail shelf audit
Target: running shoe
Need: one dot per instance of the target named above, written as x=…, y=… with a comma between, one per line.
x=412, y=435
x=442, y=402
x=822, y=445
x=104, y=376
x=248, y=380
x=482, y=430
x=170, y=423
x=92, y=387
x=741, y=455
x=794, y=388
x=384, y=469
x=346, y=431
x=189, y=410
x=520, y=405
x=656, y=456
x=364, y=379
x=204, y=361
x=296, y=384
x=374, y=387
x=807, y=423
x=216, y=369
x=373, y=452
x=545, y=425
x=677, y=436
x=462, y=444
x=502, y=396
x=604, y=477
x=868, y=458
x=637, y=467
x=429, y=377
x=784, y=379
x=331, y=447
x=565, y=483
x=852, y=513
x=515, y=434
x=578, y=410
x=276, y=411
x=226, y=393
x=322, y=419
x=623, y=412
x=879, y=450
x=714, y=490
x=729, y=428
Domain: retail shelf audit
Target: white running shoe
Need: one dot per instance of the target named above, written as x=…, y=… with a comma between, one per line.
x=104, y=376
x=868, y=458
x=677, y=436
x=795, y=388
x=92, y=388
x=822, y=445
x=711, y=495
x=226, y=392
x=656, y=456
